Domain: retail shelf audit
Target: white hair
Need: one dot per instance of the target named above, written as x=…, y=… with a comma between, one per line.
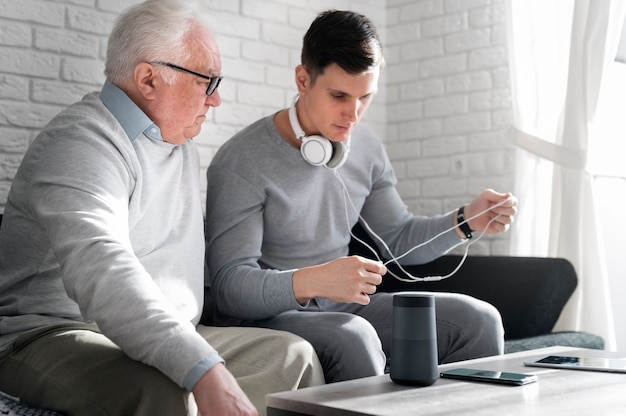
x=154, y=30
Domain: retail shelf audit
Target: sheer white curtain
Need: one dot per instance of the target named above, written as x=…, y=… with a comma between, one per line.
x=559, y=51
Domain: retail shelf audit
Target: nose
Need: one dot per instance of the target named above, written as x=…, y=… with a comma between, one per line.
x=214, y=100
x=352, y=110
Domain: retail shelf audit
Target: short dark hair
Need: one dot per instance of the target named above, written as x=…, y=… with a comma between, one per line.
x=346, y=38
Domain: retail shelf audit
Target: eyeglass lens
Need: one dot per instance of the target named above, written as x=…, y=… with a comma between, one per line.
x=213, y=84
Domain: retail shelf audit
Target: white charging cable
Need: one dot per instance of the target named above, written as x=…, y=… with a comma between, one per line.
x=394, y=259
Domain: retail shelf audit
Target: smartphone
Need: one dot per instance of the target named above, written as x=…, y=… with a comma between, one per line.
x=502, y=377
x=614, y=365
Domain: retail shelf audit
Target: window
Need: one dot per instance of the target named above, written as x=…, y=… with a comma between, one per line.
x=607, y=164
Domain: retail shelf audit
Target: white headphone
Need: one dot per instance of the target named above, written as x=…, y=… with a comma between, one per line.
x=318, y=150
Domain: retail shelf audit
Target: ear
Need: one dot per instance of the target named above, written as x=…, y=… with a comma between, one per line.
x=146, y=78
x=303, y=80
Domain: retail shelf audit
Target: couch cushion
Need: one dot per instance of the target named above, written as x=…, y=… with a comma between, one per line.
x=565, y=339
x=10, y=406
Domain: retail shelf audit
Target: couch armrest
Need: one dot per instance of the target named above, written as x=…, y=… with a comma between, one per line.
x=529, y=292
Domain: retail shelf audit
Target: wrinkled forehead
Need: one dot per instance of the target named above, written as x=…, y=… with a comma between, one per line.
x=204, y=50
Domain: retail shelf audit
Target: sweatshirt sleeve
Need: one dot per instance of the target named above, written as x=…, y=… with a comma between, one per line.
x=234, y=238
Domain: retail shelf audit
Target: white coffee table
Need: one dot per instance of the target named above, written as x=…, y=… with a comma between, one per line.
x=558, y=392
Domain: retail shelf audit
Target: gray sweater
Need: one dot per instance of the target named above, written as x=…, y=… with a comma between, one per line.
x=104, y=224
x=269, y=213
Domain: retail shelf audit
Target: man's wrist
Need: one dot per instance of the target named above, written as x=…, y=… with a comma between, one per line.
x=462, y=223
x=199, y=370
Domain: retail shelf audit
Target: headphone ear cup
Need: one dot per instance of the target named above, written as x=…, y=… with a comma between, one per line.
x=340, y=154
x=316, y=150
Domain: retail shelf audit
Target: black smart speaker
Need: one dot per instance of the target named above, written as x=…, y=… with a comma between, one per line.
x=414, y=358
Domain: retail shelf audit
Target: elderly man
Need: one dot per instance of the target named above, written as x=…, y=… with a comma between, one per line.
x=102, y=246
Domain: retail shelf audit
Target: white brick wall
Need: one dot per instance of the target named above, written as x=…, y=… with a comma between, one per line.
x=448, y=104
x=442, y=110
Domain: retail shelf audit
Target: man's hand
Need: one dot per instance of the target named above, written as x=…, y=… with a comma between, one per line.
x=217, y=393
x=347, y=280
x=505, y=213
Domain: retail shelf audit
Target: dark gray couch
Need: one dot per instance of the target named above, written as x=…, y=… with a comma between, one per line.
x=529, y=292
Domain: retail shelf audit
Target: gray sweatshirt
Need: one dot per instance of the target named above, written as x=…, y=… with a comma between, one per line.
x=269, y=213
x=104, y=224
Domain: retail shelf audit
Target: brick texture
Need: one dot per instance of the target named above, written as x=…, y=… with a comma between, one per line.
x=443, y=107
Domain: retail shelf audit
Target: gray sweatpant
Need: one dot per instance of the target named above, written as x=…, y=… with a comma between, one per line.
x=354, y=341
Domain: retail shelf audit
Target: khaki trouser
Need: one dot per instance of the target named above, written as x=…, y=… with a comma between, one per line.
x=78, y=371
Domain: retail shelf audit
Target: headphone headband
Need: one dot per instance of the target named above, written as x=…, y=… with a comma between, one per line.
x=293, y=119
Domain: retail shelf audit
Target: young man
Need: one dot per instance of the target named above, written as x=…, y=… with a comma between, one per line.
x=102, y=246
x=278, y=225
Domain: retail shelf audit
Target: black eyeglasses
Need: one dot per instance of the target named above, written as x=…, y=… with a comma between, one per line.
x=214, y=82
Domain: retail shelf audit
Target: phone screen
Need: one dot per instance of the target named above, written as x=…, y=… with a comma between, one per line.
x=503, y=377
x=617, y=365
x=585, y=362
